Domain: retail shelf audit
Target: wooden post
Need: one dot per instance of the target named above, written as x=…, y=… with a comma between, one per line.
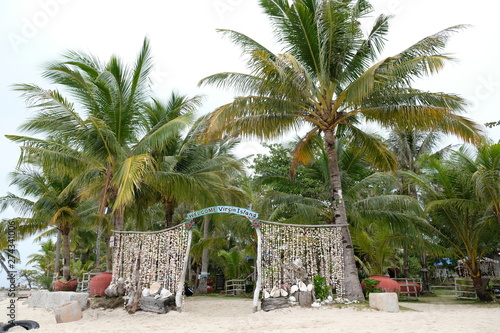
x=133, y=302
x=180, y=287
x=258, y=264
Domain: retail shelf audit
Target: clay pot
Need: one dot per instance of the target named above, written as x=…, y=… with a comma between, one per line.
x=65, y=286
x=386, y=284
x=99, y=283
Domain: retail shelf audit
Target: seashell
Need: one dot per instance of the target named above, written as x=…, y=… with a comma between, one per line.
x=154, y=288
x=302, y=286
x=275, y=292
x=292, y=299
x=266, y=294
x=164, y=293
x=309, y=287
x=145, y=292
x=293, y=289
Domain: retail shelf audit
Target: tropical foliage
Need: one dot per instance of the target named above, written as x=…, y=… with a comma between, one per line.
x=464, y=221
x=328, y=79
x=102, y=153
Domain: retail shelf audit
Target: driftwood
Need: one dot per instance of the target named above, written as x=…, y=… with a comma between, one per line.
x=273, y=303
x=304, y=298
x=134, y=297
x=158, y=305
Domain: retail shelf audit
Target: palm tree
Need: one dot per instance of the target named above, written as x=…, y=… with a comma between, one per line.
x=105, y=141
x=327, y=79
x=487, y=178
x=7, y=252
x=409, y=146
x=54, y=205
x=463, y=221
x=101, y=138
x=44, y=260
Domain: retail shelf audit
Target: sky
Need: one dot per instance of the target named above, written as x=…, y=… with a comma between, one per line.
x=186, y=48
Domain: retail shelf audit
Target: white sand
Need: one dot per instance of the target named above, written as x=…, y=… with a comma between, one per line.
x=209, y=314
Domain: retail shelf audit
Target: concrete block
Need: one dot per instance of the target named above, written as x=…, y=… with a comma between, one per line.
x=384, y=301
x=55, y=299
x=68, y=312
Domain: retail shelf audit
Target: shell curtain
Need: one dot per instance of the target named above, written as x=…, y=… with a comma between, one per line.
x=159, y=256
x=317, y=247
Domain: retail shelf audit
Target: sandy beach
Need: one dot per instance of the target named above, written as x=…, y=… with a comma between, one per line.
x=217, y=314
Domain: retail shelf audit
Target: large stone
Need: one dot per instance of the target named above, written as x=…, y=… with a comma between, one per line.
x=384, y=301
x=51, y=300
x=68, y=312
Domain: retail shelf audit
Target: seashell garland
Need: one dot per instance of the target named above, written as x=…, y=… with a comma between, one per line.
x=316, y=249
x=161, y=256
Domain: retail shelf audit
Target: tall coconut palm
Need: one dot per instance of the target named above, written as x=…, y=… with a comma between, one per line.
x=184, y=167
x=106, y=142
x=53, y=206
x=409, y=146
x=329, y=79
x=464, y=223
x=44, y=260
x=99, y=136
x=487, y=178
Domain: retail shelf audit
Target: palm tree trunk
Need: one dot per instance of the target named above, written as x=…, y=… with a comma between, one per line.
x=109, y=255
x=475, y=272
x=352, y=286
x=58, y=252
x=202, y=286
x=119, y=219
x=406, y=262
x=4, y=266
x=98, y=244
x=425, y=273
x=66, y=254
x=103, y=210
x=169, y=213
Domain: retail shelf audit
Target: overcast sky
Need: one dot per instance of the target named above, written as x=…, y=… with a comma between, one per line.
x=186, y=48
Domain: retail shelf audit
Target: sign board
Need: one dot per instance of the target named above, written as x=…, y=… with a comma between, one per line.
x=223, y=209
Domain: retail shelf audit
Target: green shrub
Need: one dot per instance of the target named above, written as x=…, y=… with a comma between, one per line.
x=370, y=286
x=321, y=289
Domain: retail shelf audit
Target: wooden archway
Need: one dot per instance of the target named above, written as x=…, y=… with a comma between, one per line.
x=318, y=246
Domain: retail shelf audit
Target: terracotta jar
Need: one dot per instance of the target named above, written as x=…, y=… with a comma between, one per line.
x=99, y=283
x=65, y=286
x=386, y=284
